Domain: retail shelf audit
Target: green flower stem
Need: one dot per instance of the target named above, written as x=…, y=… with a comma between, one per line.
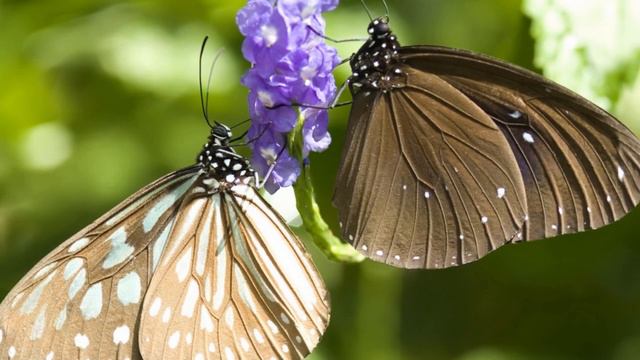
x=323, y=237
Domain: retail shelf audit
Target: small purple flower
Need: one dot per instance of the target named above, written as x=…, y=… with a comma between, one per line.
x=290, y=63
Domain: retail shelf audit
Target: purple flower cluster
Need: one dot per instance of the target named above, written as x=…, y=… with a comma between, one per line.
x=291, y=64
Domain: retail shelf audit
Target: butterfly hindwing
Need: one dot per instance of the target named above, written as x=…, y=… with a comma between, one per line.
x=239, y=285
x=580, y=165
x=84, y=298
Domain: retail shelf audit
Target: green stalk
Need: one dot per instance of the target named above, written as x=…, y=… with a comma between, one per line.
x=323, y=237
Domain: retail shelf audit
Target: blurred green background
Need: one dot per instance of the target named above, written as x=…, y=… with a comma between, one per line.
x=98, y=98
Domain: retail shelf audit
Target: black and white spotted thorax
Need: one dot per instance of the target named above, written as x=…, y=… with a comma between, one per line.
x=221, y=162
x=376, y=65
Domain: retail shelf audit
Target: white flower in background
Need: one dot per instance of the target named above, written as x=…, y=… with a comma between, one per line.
x=590, y=46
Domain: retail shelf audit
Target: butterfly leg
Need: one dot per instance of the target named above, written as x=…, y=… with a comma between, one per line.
x=270, y=170
x=334, y=103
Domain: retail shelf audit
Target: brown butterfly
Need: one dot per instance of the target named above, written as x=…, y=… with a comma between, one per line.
x=451, y=154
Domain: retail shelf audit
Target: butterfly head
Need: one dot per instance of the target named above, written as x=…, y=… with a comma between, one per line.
x=379, y=27
x=221, y=134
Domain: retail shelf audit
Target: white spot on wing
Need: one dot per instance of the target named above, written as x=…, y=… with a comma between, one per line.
x=206, y=323
x=189, y=304
x=501, y=192
x=45, y=270
x=272, y=326
x=78, y=245
x=229, y=354
x=183, y=266
x=160, y=243
x=12, y=352
x=166, y=315
x=121, y=335
x=155, y=307
x=243, y=288
x=484, y=219
x=72, y=266
x=129, y=289
x=528, y=137
x=244, y=343
x=258, y=336
x=32, y=300
x=174, y=339
x=163, y=205
x=91, y=304
x=120, y=250
x=620, y=173
x=81, y=341
x=203, y=240
x=228, y=317
x=221, y=261
x=38, y=326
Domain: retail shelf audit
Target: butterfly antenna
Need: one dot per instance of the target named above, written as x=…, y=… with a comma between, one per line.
x=240, y=123
x=366, y=8
x=213, y=64
x=386, y=8
x=202, y=102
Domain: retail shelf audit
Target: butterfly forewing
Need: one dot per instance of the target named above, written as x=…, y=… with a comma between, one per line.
x=438, y=197
x=83, y=299
x=239, y=285
x=580, y=165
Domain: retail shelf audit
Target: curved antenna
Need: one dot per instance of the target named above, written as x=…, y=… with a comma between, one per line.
x=240, y=123
x=213, y=64
x=386, y=9
x=202, y=103
x=366, y=8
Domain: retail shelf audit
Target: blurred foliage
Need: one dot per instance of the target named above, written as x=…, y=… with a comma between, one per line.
x=100, y=97
x=593, y=48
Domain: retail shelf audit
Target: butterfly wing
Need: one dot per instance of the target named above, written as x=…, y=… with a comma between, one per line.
x=581, y=166
x=83, y=299
x=427, y=180
x=236, y=283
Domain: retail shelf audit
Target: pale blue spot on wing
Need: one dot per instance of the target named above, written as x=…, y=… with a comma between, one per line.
x=91, y=304
x=160, y=244
x=32, y=300
x=164, y=204
x=120, y=250
x=77, y=283
x=129, y=289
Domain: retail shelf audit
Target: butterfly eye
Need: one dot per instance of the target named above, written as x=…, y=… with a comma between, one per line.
x=221, y=132
x=379, y=26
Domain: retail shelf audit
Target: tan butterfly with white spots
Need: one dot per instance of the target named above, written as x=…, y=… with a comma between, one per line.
x=194, y=266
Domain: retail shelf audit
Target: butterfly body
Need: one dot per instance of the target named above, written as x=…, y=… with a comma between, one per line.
x=451, y=154
x=193, y=266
